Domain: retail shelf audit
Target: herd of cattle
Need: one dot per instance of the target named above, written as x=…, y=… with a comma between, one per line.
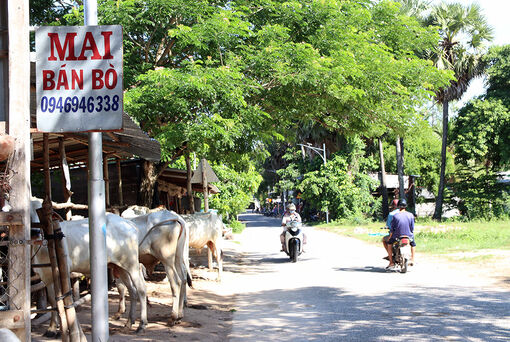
x=137, y=237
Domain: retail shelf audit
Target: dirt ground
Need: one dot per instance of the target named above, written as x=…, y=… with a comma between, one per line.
x=208, y=316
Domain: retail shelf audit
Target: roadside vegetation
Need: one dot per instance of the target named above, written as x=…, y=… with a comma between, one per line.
x=434, y=237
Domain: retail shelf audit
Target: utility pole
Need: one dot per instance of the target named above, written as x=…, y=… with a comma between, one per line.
x=322, y=153
x=97, y=219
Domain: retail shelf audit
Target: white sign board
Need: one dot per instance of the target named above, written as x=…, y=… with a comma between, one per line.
x=79, y=78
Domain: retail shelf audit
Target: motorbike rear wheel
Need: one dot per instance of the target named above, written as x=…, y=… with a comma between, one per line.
x=294, y=250
x=404, y=266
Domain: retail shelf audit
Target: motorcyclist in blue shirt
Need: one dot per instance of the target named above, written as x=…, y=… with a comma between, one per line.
x=401, y=223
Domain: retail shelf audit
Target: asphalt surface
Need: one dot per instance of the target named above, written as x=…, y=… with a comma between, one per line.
x=340, y=291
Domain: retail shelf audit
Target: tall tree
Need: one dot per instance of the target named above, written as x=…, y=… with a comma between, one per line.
x=384, y=189
x=238, y=72
x=463, y=30
x=481, y=131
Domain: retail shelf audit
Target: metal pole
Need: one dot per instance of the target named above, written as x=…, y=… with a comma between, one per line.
x=324, y=157
x=97, y=219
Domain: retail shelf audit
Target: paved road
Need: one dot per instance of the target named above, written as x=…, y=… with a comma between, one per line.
x=339, y=291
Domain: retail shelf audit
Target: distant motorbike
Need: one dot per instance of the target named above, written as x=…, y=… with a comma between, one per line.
x=402, y=252
x=401, y=249
x=293, y=240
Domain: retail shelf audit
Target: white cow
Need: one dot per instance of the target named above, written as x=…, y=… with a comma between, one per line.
x=7, y=335
x=207, y=229
x=164, y=238
x=122, y=256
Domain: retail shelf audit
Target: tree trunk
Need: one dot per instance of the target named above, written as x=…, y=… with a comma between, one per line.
x=188, y=185
x=438, y=212
x=400, y=168
x=150, y=176
x=384, y=189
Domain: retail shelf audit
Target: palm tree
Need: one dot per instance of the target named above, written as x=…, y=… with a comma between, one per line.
x=414, y=8
x=464, y=31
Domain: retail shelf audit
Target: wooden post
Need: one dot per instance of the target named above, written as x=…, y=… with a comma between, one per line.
x=205, y=187
x=400, y=168
x=384, y=189
x=106, y=181
x=119, y=183
x=168, y=201
x=45, y=219
x=65, y=174
x=188, y=185
x=72, y=321
x=19, y=128
x=411, y=194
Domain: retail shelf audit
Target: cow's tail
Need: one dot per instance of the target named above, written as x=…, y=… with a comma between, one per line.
x=187, y=270
x=189, y=280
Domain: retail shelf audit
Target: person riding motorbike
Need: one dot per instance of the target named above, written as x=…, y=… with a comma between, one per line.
x=290, y=215
x=402, y=224
x=394, y=207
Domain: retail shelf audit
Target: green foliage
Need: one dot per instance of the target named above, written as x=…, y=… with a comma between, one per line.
x=237, y=227
x=481, y=195
x=422, y=155
x=498, y=60
x=237, y=188
x=50, y=12
x=481, y=134
x=347, y=195
x=199, y=108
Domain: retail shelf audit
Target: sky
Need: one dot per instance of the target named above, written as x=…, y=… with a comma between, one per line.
x=496, y=12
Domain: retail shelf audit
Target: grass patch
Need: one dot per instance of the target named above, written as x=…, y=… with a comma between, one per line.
x=464, y=236
x=435, y=237
x=237, y=227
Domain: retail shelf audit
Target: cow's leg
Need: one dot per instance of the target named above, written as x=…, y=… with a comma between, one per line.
x=209, y=257
x=122, y=298
x=124, y=276
x=182, y=294
x=175, y=284
x=211, y=246
x=52, y=328
x=136, y=276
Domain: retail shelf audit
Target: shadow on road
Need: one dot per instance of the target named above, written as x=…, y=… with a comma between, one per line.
x=362, y=269
x=258, y=220
x=427, y=314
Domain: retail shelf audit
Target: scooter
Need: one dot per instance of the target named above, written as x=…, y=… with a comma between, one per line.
x=293, y=240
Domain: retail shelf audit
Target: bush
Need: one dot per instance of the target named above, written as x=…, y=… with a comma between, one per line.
x=346, y=194
x=237, y=227
x=481, y=196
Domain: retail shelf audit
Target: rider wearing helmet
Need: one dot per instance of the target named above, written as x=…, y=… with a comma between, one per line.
x=290, y=215
x=401, y=224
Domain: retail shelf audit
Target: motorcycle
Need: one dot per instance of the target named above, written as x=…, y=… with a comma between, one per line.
x=401, y=249
x=293, y=240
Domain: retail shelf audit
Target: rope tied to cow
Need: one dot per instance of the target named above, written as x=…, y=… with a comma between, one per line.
x=57, y=236
x=162, y=223
x=67, y=294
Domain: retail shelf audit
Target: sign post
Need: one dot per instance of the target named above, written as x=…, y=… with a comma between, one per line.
x=80, y=89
